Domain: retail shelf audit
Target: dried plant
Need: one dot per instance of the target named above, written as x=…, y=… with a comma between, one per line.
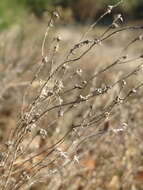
x=60, y=90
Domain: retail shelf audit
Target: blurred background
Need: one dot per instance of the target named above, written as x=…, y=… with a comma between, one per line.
x=22, y=27
x=79, y=11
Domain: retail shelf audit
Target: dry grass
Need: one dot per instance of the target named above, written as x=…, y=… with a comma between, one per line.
x=71, y=118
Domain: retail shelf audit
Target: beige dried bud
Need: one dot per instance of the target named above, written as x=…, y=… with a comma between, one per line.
x=133, y=90
x=56, y=48
x=124, y=125
x=60, y=113
x=119, y=17
x=84, y=82
x=115, y=25
x=58, y=38
x=51, y=24
x=60, y=100
x=64, y=66
x=45, y=59
x=78, y=86
x=58, y=85
x=24, y=176
x=124, y=82
x=9, y=144
x=107, y=115
x=109, y=8
x=82, y=98
x=61, y=153
x=79, y=72
x=56, y=14
x=140, y=37
x=42, y=133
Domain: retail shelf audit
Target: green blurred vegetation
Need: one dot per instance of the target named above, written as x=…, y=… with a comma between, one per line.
x=12, y=11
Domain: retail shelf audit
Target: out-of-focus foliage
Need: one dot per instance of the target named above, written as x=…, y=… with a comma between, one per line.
x=85, y=10
x=63, y=3
x=82, y=10
x=36, y=6
x=134, y=8
x=10, y=11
